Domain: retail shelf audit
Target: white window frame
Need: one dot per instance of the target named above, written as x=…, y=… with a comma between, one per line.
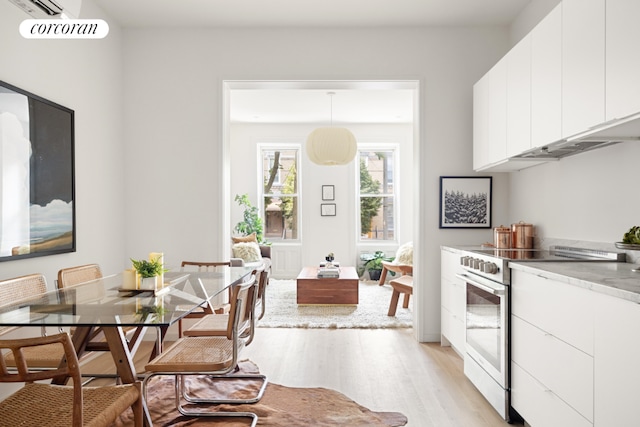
x=273, y=146
x=395, y=147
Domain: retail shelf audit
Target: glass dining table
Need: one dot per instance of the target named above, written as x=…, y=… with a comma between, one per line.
x=104, y=304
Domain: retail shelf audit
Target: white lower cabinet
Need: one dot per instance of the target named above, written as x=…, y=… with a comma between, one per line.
x=558, y=368
x=617, y=356
x=552, y=360
x=539, y=406
x=453, y=299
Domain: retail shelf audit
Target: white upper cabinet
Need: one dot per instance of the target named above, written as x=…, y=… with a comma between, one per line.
x=583, y=65
x=481, y=122
x=498, y=112
x=519, y=97
x=622, y=58
x=546, y=80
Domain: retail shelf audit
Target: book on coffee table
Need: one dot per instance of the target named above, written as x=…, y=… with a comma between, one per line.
x=325, y=272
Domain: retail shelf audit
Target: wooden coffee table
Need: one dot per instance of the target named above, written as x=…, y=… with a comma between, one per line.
x=341, y=290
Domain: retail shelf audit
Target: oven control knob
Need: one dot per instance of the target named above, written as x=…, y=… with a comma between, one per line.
x=490, y=267
x=464, y=261
x=476, y=264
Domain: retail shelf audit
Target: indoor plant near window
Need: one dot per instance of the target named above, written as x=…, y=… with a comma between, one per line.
x=149, y=272
x=252, y=222
x=373, y=264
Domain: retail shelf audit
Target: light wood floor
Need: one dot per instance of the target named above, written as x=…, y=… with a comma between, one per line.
x=381, y=369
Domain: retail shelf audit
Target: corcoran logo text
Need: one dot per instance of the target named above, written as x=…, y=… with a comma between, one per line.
x=64, y=28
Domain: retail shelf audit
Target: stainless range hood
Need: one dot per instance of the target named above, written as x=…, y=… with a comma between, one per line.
x=605, y=134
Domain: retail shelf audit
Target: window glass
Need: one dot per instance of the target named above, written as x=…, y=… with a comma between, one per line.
x=280, y=193
x=377, y=193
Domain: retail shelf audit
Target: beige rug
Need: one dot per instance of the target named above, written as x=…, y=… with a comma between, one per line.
x=279, y=407
x=282, y=311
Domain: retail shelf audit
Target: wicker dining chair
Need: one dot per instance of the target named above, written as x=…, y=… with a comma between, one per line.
x=213, y=356
x=14, y=290
x=220, y=306
x=217, y=324
x=38, y=403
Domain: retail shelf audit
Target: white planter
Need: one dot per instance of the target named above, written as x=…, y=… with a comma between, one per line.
x=149, y=283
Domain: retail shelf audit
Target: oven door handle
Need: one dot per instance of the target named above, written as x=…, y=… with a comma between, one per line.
x=485, y=285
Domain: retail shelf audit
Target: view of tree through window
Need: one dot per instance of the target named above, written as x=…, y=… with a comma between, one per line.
x=280, y=193
x=377, y=194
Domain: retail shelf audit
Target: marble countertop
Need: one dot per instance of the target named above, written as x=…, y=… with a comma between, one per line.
x=611, y=278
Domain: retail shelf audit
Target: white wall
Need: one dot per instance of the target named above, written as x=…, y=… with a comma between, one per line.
x=173, y=126
x=86, y=76
x=321, y=235
x=591, y=197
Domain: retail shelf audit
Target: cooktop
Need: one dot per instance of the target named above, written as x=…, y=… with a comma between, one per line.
x=554, y=253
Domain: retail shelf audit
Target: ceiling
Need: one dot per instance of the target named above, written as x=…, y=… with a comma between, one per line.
x=305, y=13
x=308, y=102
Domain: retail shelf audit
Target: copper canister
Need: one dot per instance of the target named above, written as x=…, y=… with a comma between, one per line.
x=522, y=235
x=502, y=237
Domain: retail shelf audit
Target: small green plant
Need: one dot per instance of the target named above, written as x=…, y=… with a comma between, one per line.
x=252, y=222
x=148, y=268
x=373, y=264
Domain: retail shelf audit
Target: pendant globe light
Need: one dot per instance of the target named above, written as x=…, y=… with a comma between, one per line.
x=330, y=146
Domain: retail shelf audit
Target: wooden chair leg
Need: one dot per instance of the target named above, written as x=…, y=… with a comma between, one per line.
x=383, y=276
x=405, y=304
x=395, y=296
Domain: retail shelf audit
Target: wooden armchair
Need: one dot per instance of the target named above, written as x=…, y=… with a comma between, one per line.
x=12, y=291
x=401, y=269
x=50, y=405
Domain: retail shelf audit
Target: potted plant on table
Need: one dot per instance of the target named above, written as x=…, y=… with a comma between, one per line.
x=373, y=264
x=149, y=272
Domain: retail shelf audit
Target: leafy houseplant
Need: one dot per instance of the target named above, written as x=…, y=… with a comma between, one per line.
x=252, y=222
x=373, y=264
x=148, y=268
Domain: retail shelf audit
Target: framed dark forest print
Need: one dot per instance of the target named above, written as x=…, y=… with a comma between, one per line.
x=37, y=206
x=465, y=202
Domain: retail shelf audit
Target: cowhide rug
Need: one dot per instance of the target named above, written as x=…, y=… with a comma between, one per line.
x=279, y=407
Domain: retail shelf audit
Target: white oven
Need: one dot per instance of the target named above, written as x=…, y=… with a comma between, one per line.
x=487, y=355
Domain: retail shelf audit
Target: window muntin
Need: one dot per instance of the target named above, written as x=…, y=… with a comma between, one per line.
x=280, y=196
x=377, y=194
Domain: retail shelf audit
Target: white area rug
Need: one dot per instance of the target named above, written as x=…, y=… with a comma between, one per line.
x=371, y=312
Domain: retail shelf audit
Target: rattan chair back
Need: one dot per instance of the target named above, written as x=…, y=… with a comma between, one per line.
x=20, y=288
x=204, y=266
x=73, y=276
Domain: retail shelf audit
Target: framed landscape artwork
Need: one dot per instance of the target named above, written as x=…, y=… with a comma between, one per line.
x=37, y=206
x=465, y=202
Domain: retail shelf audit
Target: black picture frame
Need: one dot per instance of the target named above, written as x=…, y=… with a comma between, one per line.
x=328, y=209
x=42, y=137
x=328, y=192
x=465, y=201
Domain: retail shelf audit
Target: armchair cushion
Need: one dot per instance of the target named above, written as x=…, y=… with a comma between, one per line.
x=243, y=239
x=404, y=255
x=248, y=251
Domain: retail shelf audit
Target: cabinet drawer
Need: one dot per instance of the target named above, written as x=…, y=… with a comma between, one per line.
x=563, y=310
x=453, y=329
x=539, y=406
x=563, y=369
